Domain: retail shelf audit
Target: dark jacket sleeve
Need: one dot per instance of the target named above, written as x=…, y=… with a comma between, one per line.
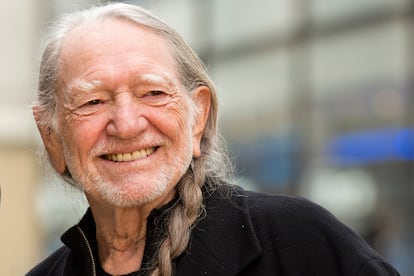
x=307, y=239
x=377, y=267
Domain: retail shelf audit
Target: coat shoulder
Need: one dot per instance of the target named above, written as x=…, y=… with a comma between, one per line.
x=301, y=232
x=53, y=265
x=286, y=208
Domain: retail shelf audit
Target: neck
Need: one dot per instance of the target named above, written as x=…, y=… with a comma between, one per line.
x=120, y=235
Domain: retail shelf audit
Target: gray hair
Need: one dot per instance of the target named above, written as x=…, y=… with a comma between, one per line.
x=211, y=168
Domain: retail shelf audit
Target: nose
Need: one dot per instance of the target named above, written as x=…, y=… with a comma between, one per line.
x=126, y=120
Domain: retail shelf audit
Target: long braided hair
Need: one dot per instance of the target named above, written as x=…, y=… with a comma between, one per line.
x=211, y=168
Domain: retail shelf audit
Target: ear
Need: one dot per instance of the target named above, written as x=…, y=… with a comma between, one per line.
x=202, y=99
x=51, y=142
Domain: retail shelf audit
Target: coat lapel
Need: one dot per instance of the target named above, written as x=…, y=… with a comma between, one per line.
x=223, y=243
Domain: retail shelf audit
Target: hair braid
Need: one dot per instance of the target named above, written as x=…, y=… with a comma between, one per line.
x=179, y=223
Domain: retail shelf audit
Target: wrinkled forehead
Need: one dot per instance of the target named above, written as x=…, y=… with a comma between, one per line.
x=110, y=40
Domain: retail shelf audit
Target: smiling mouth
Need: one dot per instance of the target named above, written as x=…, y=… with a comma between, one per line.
x=130, y=156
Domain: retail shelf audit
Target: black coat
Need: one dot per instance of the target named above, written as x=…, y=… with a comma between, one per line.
x=245, y=234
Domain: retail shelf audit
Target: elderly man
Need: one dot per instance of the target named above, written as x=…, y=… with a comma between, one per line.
x=128, y=115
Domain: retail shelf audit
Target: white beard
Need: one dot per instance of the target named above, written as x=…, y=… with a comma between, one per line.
x=128, y=192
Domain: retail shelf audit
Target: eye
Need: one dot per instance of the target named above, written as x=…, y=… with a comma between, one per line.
x=94, y=102
x=155, y=93
x=155, y=97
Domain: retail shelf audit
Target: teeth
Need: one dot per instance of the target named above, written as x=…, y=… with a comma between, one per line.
x=131, y=156
x=119, y=157
x=127, y=157
x=136, y=155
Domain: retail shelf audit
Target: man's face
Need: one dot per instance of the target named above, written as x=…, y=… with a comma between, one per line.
x=126, y=126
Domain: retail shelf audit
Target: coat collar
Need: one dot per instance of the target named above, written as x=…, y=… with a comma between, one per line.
x=224, y=242
x=80, y=239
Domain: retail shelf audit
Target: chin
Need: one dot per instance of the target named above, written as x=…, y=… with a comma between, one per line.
x=131, y=195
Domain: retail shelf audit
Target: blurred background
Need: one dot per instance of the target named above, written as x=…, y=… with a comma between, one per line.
x=316, y=100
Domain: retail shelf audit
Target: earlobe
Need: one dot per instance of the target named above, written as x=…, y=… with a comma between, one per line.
x=52, y=144
x=202, y=99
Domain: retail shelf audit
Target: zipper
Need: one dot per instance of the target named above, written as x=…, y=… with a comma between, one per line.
x=89, y=250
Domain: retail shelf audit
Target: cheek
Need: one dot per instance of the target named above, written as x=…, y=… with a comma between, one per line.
x=175, y=122
x=82, y=134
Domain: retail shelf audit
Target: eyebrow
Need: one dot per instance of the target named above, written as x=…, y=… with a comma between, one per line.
x=156, y=79
x=85, y=86
x=88, y=86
